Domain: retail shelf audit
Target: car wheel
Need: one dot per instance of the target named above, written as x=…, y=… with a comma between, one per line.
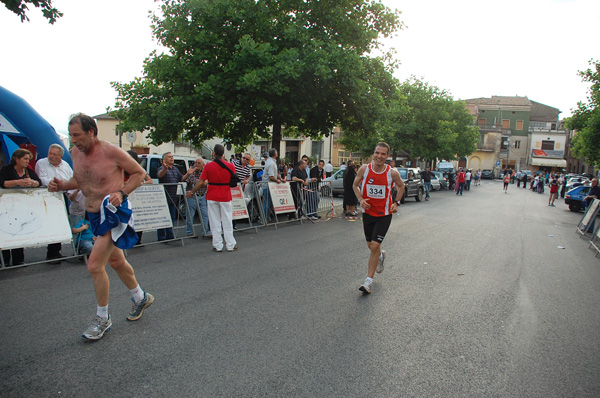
x=575, y=206
x=419, y=196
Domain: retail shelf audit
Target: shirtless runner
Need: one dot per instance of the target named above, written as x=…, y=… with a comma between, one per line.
x=98, y=171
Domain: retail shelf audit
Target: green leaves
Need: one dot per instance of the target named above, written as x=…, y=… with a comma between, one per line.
x=586, y=118
x=20, y=8
x=234, y=68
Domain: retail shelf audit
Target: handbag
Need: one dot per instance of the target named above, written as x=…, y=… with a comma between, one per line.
x=233, y=181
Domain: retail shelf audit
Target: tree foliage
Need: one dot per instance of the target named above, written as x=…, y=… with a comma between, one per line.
x=586, y=118
x=237, y=68
x=20, y=8
x=423, y=121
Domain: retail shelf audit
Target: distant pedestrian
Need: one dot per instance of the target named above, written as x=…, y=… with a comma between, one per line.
x=328, y=169
x=427, y=181
x=460, y=179
x=468, y=176
x=554, y=183
x=506, y=182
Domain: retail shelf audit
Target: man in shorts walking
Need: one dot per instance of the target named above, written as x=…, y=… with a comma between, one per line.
x=98, y=168
x=373, y=188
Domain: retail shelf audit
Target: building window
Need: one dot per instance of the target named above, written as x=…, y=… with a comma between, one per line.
x=317, y=149
x=517, y=144
x=519, y=125
x=483, y=111
x=503, y=143
x=505, y=123
x=548, y=145
x=482, y=122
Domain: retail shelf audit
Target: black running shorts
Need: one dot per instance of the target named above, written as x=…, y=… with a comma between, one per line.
x=376, y=227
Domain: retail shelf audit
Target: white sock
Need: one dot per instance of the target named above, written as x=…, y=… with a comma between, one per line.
x=102, y=312
x=380, y=255
x=137, y=293
x=370, y=280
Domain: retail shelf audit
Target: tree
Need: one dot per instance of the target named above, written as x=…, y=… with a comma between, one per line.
x=423, y=121
x=238, y=68
x=586, y=118
x=20, y=8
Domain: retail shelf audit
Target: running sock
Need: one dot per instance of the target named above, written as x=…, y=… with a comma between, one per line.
x=370, y=280
x=137, y=293
x=381, y=255
x=102, y=312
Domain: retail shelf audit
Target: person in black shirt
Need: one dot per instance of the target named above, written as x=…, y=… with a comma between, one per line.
x=17, y=174
x=427, y=180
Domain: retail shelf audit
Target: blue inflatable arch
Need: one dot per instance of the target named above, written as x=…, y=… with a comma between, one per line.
x=21, y=124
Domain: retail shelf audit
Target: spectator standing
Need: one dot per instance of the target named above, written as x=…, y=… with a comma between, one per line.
x=554, y=184
x=218, y=200
x=270, y=175
x=427, y=180
x=298, y=182
x=328, y=169
x=47, y=169
x=468, y=176
x=316, y=176
x=191, y=178
x=563, y=185
x=243, y=170
x=17, y=174
x=461, y=177
x=350, y=200
x=518, y=178
x=169, y=174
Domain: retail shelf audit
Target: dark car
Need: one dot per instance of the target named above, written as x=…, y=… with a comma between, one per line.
x=413, y=183
x=574, y=198
x=487, y=175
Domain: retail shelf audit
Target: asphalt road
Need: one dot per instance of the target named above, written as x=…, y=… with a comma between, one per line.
x=476, y=300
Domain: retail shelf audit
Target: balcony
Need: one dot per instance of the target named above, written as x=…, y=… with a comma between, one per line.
x=485, y=147
x=489, y=128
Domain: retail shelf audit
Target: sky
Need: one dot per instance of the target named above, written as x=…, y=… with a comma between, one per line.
x=470, y=48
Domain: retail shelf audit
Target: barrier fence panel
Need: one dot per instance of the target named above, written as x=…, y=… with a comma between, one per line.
x=318, y=199
x=245, y=208
x=277, y=203
x=31, y=218
x=161, y=208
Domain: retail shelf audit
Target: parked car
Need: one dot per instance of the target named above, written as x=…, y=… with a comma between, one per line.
x=487, y=175
x=336, y=183
x=435, y=183
x=574, y=198
x=413, y=182
x=151, y=163
x=443, y=179
x=576, y=181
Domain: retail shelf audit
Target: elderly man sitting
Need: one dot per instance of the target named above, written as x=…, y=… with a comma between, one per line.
x=47, y=169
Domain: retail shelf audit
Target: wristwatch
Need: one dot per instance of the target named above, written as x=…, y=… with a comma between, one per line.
x=124, y=194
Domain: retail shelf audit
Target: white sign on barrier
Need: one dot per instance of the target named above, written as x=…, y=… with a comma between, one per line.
x=590, y=214
x=150, y=209
x=238, y=204
x=281, y=196
x=32, y=217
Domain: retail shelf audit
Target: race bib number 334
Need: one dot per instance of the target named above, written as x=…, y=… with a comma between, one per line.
x=376, y=191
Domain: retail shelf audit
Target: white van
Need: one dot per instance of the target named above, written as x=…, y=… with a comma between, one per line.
x=151, y=163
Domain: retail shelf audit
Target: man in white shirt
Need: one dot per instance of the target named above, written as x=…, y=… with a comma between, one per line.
x=328, y=169
x=270, y=175
x=47, y=169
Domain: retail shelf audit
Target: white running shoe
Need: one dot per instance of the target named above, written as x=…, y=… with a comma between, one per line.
x=379, y=269
x=366, y=287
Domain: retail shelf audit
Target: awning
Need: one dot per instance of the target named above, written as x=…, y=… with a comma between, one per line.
x=548, y=162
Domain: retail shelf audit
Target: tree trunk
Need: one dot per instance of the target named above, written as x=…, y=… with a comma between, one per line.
x=276, y=140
